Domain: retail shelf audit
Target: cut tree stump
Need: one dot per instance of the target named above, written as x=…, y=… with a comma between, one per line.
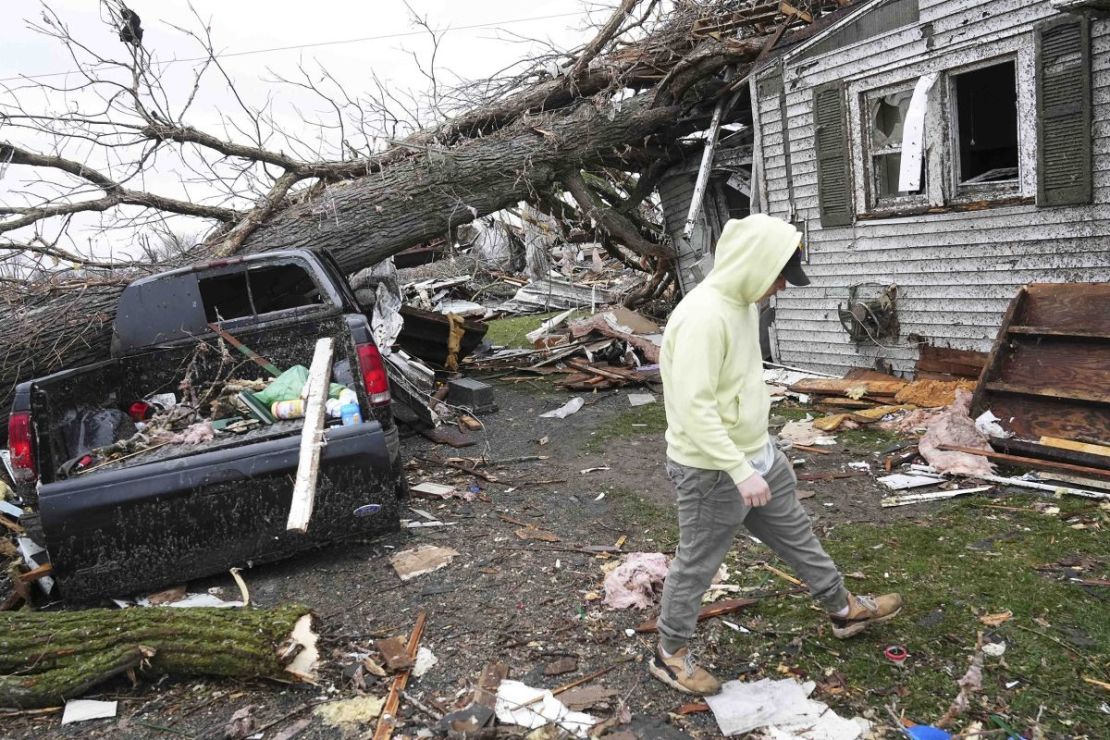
x=49, y=657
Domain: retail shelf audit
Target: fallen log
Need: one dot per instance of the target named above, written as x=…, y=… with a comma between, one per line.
x=49, y=657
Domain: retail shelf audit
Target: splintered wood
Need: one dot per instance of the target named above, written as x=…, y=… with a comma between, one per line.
x=312, y=438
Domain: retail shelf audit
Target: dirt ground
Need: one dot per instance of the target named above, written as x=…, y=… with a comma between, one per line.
x=525, y=602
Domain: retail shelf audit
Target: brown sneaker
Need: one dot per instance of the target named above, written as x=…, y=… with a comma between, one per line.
x=681, y=672
x=864, y=611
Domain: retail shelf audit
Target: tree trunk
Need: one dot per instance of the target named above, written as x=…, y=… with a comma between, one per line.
x=363, y=221
x=48, y=657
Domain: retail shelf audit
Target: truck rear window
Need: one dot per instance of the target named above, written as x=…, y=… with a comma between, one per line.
x=258, y=290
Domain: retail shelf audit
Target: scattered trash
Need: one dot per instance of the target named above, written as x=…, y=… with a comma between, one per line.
x=425, y=659
x=994, y=620
x=640, y=399
x=896, y=654
x=520, y=704
x=995, y=649
x=637, y=582
x=587, y=697
x=423, y=559
x=348, y=714
x=955, y=427
x=902, y=482
x=804, y=433
x=784, y=707
x=916, y=498
x=926, y=732
x=987, y=423
x=570, y=407
x=81, y=710
x=565, y=664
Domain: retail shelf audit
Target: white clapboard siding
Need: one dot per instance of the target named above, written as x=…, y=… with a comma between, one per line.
x=956, y=272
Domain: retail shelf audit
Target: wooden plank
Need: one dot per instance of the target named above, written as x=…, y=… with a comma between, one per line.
x=312, y=438
x=1065, y=333
x=1031, y=462
x=1050, y=392
x=994, y=359
x=961, y=362
x=388, y=719
x=1083, y=306
x=1051, y=363
x=1045, y=452
x=1032, y=417
x=840, y=386
x=726, y=606
x=1071, y=444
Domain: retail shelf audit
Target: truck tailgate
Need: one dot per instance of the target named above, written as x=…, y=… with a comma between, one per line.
x=146, y=526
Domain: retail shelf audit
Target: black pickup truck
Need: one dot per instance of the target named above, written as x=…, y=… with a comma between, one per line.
x=162, y=516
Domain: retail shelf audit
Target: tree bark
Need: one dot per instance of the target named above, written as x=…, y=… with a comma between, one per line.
x=49, y=657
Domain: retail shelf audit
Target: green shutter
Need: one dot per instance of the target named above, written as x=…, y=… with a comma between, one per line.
x=1064, y=112
x=834, y=179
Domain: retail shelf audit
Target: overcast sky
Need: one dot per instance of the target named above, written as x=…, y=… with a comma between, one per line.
x=258, y=39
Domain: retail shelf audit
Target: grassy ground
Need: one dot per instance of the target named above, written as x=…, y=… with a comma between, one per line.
x=512, y=331
x=647, y=419
x=953, y=568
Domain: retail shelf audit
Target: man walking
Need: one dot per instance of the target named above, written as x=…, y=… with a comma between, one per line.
x=725, y=467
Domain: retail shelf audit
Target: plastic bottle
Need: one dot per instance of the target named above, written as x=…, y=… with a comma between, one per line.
x=351, y=414
x=287, y=409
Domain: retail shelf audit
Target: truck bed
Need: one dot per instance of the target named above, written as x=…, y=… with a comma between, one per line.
x=116, y=383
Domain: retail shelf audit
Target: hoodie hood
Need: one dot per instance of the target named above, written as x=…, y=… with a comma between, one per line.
x=750, y=254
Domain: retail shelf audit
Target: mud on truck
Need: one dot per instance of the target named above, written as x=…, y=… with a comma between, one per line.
x=166, y=461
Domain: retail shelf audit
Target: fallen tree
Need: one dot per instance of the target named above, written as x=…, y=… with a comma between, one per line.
x=49, y=657
x=602, y=130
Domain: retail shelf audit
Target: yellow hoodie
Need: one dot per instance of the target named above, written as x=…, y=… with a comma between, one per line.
x=716, y=402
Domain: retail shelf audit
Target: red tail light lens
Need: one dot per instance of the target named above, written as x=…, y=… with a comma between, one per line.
x=374, y=379
x=21, y=446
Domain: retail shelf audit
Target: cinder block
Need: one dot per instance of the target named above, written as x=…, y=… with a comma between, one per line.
x=472, y=394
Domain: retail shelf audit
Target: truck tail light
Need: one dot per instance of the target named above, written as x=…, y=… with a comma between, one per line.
x=21, y=446
x=374, y=379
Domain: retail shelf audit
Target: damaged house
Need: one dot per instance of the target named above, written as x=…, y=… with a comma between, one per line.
x=938, y=155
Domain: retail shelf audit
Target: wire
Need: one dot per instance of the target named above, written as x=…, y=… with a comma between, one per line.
x=318, y=44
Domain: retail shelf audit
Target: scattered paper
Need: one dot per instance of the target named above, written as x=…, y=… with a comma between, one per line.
x=188, y=602
x=421, y=560
x=79, y=710
x=570, y=407
x=995, y=649
x=429, y=489
x=901, y=481
x=987, y=423
x=522, y=705
x=641, y=399
x=784, y=707
x=861, y=465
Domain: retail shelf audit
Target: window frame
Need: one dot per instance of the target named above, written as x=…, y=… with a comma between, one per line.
x=960, y=192
x=941, y=193
x=875, y=202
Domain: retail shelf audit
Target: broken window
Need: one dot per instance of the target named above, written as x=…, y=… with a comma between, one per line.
x=258, y=290
x=986, y=125
x=886, y=122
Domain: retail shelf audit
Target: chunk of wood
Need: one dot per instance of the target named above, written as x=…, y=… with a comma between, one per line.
x=388, y=718
x=565, y=664
x=707, y=612
x=312, y=438
x=1071, y=444
x=476, y=715
x=470, y=423
x=394, y=652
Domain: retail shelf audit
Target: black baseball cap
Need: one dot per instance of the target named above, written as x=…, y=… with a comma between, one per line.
x=792, y=271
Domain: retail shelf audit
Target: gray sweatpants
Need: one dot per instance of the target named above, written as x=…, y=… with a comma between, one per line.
x=710, y=511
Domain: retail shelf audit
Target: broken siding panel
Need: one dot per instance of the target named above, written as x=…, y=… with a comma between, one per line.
x=956, y=271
